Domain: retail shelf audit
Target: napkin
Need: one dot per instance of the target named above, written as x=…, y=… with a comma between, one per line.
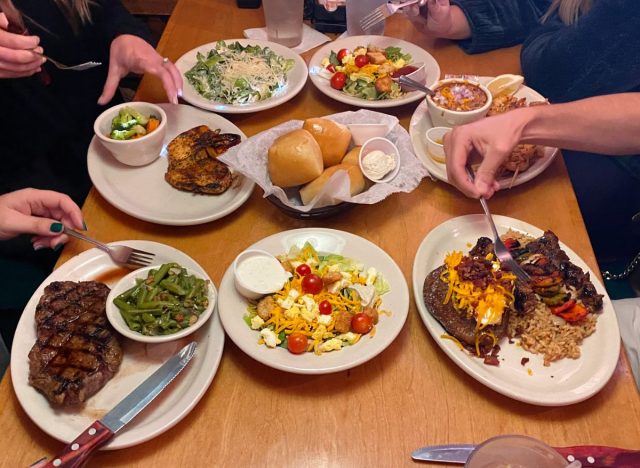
x=310, y=38
x=628, y=313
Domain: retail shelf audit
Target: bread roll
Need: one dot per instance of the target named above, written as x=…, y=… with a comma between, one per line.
x=352, y=157
x=333, y=138
x=313, y=188
x=294, y=159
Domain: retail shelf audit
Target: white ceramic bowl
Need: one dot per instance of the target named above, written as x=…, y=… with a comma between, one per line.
x=435, y=146
x=442, y=117
x=387, y=147
x=116, y=320
x=360, y=133
x=139, y=151
x=419, y=75
x=251, y=289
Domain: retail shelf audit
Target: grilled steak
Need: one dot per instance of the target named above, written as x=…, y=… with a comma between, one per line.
x=193, y=166
x=76, y=350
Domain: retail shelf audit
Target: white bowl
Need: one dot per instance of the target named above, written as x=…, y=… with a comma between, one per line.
x=116, y=320
x=435, y=147
x=139, y=151
x=360, y=133
x=419, y=75
x=387, y=147
x=265, y=278
x=442, y=117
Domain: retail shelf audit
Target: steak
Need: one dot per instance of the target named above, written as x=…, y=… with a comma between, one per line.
x=76, y=350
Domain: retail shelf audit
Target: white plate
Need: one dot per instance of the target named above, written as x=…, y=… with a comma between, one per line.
x=417, y=55
x=296, y=78
x=421, y=122
x=143, y=193
x=138, y=363
x=564, y=382
x=233, y=306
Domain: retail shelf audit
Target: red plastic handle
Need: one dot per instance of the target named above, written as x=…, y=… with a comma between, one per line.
x=599, y=456
x=77, y=452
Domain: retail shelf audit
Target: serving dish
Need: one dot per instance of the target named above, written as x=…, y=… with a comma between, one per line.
x=418, y=55
x=421, y=122
x=564, y=382
x=143, y=193
x=140, y=360
x=296, y=78
x=232, y=305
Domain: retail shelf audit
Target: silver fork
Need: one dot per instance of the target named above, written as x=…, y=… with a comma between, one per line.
x=121, y=254
x=501, y=250
x=382, y=12
x=79, y=67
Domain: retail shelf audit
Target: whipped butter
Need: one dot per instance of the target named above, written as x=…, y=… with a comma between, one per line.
x=378, y=164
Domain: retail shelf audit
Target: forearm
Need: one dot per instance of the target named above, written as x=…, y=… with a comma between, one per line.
x=604, y=124
x=459, y=28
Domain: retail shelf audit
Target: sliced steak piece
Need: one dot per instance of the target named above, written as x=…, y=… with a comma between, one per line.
x=76, y=350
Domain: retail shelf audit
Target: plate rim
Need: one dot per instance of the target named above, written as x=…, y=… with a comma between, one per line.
x=256, y=352
x=244, y=108
x=97, y=178
x=355, y=101
x=463, y=359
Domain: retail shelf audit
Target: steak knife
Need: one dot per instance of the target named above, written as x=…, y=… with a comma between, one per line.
x=595, y=456
x=100, y=432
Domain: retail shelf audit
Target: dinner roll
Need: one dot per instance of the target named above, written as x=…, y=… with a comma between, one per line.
x=333, y=138
x=294, y=159
x=313, y=188
x=352, y=157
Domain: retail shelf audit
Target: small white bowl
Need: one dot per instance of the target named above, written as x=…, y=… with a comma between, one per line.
x=387, y=147
x=116, y=320
x=264, y=274
x=442, y=117
x=138, y=151
x=435, y=146
x=360, y=133
x=419, y=75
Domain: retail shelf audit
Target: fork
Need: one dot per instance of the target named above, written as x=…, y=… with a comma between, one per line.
x=382, y=12
x=127, y=256
x=501, y=250
x=79, y=67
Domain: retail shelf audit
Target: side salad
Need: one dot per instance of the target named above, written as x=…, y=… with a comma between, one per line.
x=328, y=303
x=367, y=72
x=237, y=74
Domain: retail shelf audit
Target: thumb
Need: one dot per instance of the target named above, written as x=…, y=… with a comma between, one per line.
x=110, y=86
x=485, y=182
x=26, y=224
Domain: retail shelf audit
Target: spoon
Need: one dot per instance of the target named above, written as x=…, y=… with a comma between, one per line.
x=409, y=83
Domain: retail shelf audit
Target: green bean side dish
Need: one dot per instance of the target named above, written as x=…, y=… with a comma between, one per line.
x=167, y=301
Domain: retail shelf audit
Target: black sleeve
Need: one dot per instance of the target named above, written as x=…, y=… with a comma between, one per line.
x=112, y=19
x=499, y=23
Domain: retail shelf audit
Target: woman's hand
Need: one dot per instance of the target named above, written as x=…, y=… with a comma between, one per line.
x=20, y=56
x=133, y=54
x=438, y=18
x=39, y=212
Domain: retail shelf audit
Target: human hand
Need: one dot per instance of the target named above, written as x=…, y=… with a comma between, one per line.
x=435, y=19
x=132, y=54
x=39, y=212
x=20, y=56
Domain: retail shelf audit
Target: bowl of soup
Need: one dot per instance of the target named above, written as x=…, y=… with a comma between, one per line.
x=458, y=102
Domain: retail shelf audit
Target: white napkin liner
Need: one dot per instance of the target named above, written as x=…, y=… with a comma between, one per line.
x=310, y=38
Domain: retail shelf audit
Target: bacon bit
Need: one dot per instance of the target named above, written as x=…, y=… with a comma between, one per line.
x=491, y=360
x=524, y=360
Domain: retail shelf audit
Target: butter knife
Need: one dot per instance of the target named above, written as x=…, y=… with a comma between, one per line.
x=596, y=456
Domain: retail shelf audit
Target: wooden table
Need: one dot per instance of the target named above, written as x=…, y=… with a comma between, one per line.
x=375, y=414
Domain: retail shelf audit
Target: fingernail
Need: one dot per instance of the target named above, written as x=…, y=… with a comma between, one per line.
x=84, y=225
x=56, y=227
x=37, y=247
x=180, y=92
x=44, y=59
x=58, y=247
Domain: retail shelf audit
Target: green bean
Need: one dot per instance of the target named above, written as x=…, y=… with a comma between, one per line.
x=161, y=273
x=122, y=304
x=174, y=288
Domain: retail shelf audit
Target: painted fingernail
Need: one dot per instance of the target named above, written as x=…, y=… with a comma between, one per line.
x=56, y=227
x=58, y=247
x=84, y=225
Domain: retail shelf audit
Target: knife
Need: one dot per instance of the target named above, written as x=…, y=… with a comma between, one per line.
x=78, y=451
x=595, y=456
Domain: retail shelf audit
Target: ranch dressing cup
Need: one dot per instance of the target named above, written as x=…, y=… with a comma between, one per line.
x=257, y=273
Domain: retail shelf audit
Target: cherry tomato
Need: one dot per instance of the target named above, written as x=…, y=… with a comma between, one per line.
x=342, y=53
x=361, y=61
x=303, y=269
x=311, y=284
x=325, y=307
x=361, y=323
x=331, y=68
x=338, y=80
x=297, y=343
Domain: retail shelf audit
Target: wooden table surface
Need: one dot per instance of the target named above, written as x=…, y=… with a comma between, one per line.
x=409, y=396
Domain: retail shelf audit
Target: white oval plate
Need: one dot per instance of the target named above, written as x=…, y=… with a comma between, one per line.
x=139, y=361
x=142, y=191
x=233, y=306
x=417, y=55
x=421, y=122
x=296, y=79
x=566, y=381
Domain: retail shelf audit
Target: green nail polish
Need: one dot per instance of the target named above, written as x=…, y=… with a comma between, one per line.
x=58, y=247
x=56, y=227
x=84, y=225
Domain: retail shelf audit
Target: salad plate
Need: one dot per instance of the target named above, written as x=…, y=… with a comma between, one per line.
x=282, y=90
x=565, y=381
x=233, y=306
x=139, y=360
x=418, y=56
x=143, y=193
x=421, y=123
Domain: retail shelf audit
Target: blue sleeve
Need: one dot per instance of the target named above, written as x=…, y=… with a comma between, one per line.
x=599, y=54
x=499, y=23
